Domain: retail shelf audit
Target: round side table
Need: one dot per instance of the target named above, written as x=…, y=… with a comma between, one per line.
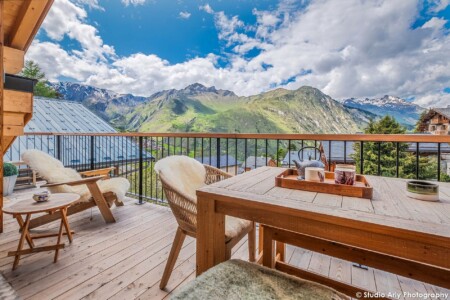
x=57, y=203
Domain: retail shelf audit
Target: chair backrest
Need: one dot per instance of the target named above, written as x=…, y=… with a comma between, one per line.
x=181, y=176
x=51, y=169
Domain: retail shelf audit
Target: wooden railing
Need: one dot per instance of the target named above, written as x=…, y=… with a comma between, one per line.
x=413, y=138
x=410, y=156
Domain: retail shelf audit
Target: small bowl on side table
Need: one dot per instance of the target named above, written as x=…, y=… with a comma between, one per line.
x=422, y=190
x=41, y=197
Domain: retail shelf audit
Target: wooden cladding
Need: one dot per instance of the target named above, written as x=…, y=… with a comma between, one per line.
x=13, y=60
x=18, y=108
x=18, y=102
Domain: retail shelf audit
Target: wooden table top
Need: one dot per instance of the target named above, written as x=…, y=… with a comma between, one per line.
x=390, y=207
x=30, y=206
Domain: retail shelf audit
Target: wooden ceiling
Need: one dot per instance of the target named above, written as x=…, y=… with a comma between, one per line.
x=21, y=21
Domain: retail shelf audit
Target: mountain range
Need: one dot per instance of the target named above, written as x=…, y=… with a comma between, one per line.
x=406, y=113
x=198, y=108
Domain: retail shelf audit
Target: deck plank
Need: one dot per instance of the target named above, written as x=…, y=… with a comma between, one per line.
x=79, y=264
x=125, y=260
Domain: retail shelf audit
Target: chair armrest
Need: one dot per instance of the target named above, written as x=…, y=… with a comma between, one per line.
x=103, y=172
x=75, y=182
x=215, y=175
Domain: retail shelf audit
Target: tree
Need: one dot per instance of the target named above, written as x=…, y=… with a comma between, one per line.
x=381, y=158
x=421, y=119
x=33, y=71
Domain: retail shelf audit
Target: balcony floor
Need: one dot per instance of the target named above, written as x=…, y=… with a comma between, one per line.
x=125, y=260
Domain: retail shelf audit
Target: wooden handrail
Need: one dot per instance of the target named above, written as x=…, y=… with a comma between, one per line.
x=412, y=138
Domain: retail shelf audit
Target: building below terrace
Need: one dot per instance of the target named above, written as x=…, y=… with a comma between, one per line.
x=436, y=121
x=60, y=117
x=227, y=163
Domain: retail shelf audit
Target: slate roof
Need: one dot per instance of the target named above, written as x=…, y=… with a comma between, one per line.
x=212, y=161
x=337, y=153
x=443, y=111
x=429, y=148
x=260, y=162
x=58, y=116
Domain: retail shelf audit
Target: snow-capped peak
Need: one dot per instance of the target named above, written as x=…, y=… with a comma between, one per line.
x=386, y=100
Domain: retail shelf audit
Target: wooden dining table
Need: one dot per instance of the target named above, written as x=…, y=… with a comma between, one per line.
x=391, y=232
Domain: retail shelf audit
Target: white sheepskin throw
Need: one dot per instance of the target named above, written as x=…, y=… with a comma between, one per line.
x=53, y=171
x=237, y=279
x=183, y=173
x=186, y=175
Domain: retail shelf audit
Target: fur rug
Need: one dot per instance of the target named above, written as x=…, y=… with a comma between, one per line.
x=6, y=290
x=236, y=279
x=53, y=171
x=183, y=173
x=186, y=175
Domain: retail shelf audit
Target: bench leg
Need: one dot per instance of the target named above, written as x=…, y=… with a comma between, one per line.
x=252, y=244
x=280, y=251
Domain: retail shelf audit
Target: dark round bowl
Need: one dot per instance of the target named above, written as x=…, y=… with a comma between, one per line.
x=422, y=190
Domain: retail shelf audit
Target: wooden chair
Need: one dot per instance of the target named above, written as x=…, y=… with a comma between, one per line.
x=90, y=179
x=183, y=202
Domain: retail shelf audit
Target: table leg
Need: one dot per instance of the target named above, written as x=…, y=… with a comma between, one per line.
x=22, y=240
x=268, y=248
x=28, y=236
x=210, y=235
x=66, y=224
x=60, y=233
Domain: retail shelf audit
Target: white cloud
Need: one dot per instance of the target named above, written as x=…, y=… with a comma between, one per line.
x=206, y=8
x=361, y=49
x=90, y=3
x=133, y=2
x=67, y=19
x=184, y=14
x=439, y=5
x=434, y=100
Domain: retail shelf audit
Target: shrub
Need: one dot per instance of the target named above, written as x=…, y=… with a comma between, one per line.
x=445, y=177
x=9, y=169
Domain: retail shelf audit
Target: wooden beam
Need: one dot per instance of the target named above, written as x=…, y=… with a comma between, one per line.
x=13, y=60
x=28, y=21
x=2, y=72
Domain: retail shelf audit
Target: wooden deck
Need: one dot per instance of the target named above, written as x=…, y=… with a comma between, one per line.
x=125, y=260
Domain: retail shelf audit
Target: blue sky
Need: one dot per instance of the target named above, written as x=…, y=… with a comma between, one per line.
x=157, y=27
x=173, y=30
x=348, y=48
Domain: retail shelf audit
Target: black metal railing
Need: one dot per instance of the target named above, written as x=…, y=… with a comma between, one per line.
x=133, y=155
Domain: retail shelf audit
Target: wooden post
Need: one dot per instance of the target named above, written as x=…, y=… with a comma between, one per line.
x=1, y=115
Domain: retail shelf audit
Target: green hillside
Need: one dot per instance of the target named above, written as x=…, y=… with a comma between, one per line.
x=200, y=109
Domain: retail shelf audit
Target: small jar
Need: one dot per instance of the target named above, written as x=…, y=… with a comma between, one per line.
x=344, y=174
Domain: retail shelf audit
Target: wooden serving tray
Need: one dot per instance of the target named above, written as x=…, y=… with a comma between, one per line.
x=361, y=188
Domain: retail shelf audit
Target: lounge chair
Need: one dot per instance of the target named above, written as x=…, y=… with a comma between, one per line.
x=95, y=189
x=181, y=176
